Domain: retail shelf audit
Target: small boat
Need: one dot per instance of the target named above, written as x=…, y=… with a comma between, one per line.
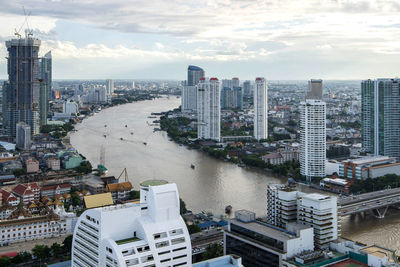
x=144, y=143
x=228, y=209
x=121, y=138
x=105, y=136
x=105, y=125
x=131, y=133
x=126, y=125
x=192, y=166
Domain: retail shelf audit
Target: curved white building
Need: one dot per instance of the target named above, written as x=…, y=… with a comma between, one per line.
x=151, y=233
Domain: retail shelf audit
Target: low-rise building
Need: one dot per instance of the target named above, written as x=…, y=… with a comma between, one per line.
x=27, y=192
x=368, y=167
x=261, y=244
x=32, y=165
x=120, y=191
x=53, y=163
x=8, y=198
x=52, y=190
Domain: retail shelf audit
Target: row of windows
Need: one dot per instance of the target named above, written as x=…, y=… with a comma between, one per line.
x=34, y=232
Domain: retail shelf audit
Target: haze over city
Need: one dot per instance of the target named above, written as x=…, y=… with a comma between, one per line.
x=156, y=39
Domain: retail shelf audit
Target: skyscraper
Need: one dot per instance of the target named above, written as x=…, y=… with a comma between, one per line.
x=312, y=138
x=260, y=109
x=247, y=88
x=45, y=86
x=380, y=117
x=151, y=233
x=110, y=86
x=189, y=98
x=21, y=96
x=314, y=89
x=194, y=75
x=209, y=109
x=23, y=138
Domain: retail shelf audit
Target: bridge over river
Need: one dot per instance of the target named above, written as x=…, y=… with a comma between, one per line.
x=377, y=202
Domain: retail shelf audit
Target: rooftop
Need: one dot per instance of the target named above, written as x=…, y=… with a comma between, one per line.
x=153, y=183
x=98, y=200
x=127, y=240
x=365, y=160
x=379, y=252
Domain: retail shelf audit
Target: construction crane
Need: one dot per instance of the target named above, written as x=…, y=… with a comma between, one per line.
x=124, y=171
x=28, y=32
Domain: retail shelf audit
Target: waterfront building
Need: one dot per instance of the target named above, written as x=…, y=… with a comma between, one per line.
x=314, y=89
x=368, y=167
x=70, y=108
x=189, y=99
x=286, y=205
x=22, y=226
x=23, y=137
x=109, y=87
x=22, y=91
x=194, y=75
x=260, y=109
x=247, y=88
x=209, y=109
x=380, y=117
x=261, y=244
x=119, y=191
x=45, y=86
x=151, y=233
x=312, y=138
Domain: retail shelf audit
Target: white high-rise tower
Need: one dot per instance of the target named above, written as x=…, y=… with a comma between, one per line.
x=151, y=233
x=209, y=109
x=260, y=109
x=312, y=138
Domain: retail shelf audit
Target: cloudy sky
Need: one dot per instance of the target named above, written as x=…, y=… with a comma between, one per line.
x=278, y=39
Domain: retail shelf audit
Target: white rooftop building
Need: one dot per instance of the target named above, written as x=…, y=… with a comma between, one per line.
x=151, y=233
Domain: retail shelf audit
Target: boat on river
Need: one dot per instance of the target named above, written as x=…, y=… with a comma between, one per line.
x=192, y=166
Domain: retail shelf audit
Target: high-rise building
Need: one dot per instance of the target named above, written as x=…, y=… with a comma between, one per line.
x=260, y=109
x=110, y=86
x=23, y=138
x=380, y=117
x=21, y=96
x=194, y=75
x=312, y=138
x=209, y=109
x=151, y=233
x=189, y=99
x=133, y=84
x=247, y=88
x=286, y=206
x=232, y=98
x=45, y=86
x=314, y=89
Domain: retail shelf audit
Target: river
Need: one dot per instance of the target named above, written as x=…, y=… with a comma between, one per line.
x=212, y=185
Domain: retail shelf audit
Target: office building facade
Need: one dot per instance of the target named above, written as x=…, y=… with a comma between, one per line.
x=151, y=233
x=260, y=109
x=21, y=95
x=209, y=109
x=23, y=138
x=312, y=138
x=380, y=117
x=194, y=75
x=263, y=245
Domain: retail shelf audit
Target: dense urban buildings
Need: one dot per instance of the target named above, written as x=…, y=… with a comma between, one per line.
x=46, y=80
x=312, y=138
x=151, y=233
x=22, y=91
x=380, y=115
x=209, y=109
x=260, y=109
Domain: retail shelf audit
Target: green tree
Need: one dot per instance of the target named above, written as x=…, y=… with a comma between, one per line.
x=67, y=243
x=56, y=250
x=182, y=206
x=213, y=251
x=21, y=258
x=134, y=194
x=5, y=261
x=42, y=252
x=19, y=172
x=193, y=228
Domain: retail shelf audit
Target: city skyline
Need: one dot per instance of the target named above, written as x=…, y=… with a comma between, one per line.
x=307, y=39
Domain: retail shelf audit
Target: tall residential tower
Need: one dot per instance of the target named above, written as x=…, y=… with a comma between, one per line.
x=312, y=138
x=209, y=109
x=380, y=117
x=260, y=109
x=194, y=75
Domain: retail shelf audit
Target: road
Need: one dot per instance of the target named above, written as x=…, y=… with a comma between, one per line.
x=29, y=245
